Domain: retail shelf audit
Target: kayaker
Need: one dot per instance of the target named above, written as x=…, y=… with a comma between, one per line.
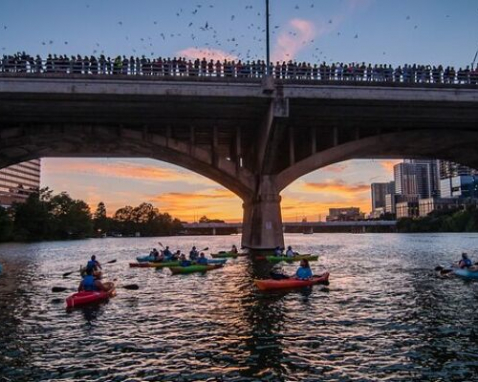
x=289, y=252
x=176, y=256
x=167, y=253
x=89, y=283
x=278, y=251
x=193, y=254
x=234, y=249
x=303, y=272
x=183, y=262
x=93, y=264
x=202, y=259
x=465, y=261
x=154, y=254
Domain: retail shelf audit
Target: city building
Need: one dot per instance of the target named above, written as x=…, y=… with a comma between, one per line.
x=426, y=206
x=407, y=210
x=345, y=214
x=18, y=181
x=427, y=177
x=405, y=178
x=462, y=186
x=451, y=169
x=379, y=190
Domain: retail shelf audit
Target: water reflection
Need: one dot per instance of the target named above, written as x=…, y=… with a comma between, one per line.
x=385, y=316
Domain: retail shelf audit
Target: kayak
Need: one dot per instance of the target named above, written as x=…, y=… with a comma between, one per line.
x=194, y=268
x=466, y=273
x=224, y=255
x=147, y=258
x=277, y=259
x=85, y=298
x=154, y=265
x=271, y=284
x=216, y=261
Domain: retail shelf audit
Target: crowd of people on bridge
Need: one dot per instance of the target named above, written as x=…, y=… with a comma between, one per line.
x=182, y=67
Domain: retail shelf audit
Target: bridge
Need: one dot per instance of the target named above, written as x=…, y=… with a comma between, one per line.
x=297, y=227
x=254, y=136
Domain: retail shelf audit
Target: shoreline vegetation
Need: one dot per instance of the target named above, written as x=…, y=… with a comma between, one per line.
x=45, y=216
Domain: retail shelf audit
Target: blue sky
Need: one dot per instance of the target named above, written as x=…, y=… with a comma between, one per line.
x=375, y=31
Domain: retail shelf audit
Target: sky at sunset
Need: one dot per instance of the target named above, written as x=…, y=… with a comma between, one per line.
x=376, y=31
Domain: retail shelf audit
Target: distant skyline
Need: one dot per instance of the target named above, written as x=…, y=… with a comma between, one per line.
x=371, y=31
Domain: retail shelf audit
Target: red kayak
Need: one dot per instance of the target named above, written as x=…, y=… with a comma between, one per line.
x=270, y=284
x=84, y=298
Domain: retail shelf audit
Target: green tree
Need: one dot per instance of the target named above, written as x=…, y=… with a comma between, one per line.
x=101, y=221
x=73, y=216
x=32, y=219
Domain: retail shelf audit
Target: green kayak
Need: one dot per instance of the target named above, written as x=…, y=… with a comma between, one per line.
x=194, y=268
x=277, y=259
x=223, y=255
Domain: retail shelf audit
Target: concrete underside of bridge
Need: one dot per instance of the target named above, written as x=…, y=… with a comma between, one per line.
x=254, y=138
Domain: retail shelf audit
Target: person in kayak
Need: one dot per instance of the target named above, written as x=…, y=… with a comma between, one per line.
x=289, y=252
x=183, y=262
x=193, y=254
x=89, y=283
x=465, y=261
x=154, y=254
x=202, y=259
x=304, y=272
x=176, y=256
x=234, y=249
x=278, y=251
x=93, y=264
x=167, y=253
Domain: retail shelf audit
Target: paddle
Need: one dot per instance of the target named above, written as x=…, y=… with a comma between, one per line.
x=66, y=274
x=62, y=289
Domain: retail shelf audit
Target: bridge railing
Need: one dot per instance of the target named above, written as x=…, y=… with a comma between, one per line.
x=421, y=74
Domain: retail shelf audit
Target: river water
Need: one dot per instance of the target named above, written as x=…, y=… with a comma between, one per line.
x=384, y=317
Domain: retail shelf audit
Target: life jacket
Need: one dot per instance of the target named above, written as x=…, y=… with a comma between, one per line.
x=89, y=283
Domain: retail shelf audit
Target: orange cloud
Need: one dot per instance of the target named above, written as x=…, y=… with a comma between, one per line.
x=292, y=41
x=335, y=168
x=208, y=53
x=294, y=208
x=216, y=203
x=128, y=170
x=388, y=164
x=337, y=186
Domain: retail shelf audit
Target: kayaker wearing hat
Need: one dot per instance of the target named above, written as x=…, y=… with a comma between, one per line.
x=304, y=272
x=465, y=261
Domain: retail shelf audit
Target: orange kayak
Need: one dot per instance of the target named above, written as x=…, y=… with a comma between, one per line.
x=271, y=284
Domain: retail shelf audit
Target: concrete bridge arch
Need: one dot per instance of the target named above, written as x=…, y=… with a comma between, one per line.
x=252, y=137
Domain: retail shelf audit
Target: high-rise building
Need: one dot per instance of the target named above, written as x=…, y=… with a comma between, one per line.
x=428, y=180
x=451, y=169
x=379, y=190
x=405, y=177
x=18, y=181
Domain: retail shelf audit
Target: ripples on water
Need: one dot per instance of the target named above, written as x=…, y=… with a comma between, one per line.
x=385, y=316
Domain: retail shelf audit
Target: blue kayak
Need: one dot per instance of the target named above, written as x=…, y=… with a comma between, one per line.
x=144, y=259
x=466, y=273
x=1, y=269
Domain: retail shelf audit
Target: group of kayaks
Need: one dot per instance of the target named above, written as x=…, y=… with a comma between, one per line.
x=218, y=260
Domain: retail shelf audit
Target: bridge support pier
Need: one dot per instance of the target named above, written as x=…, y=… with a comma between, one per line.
x=262, y=221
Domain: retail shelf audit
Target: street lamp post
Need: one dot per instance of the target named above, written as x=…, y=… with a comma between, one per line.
x=267, y=40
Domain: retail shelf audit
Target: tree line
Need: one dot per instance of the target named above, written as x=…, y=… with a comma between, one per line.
x=46, y=216
x=465, y=220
